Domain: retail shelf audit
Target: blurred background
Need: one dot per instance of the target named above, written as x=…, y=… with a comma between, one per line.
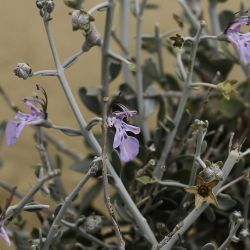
x=23, y=39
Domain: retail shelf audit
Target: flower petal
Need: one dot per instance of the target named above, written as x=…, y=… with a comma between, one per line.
x=129, y=148
x=134, y=129
x=118, y=138
x=242, y=43
x=13, y=131
x=5, y=236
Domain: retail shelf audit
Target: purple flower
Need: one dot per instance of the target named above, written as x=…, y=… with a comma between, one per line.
x=240, y=40
x=37, y=115
x=4, y=235
x=129, y=145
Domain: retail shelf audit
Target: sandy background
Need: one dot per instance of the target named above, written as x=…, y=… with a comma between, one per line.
x=23, y=39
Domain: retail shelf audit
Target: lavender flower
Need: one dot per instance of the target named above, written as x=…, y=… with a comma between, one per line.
x=240, y=40
x=129, y=145
x=4, y=235
x=37, y=115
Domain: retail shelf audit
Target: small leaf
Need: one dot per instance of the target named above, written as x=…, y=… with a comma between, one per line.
x=71, y=132
x=89, y=97
x=210, y=214
x=225, y=201
x=225, y=18
x=230, y=108
x=114, y=70
x=146, y=180
x=83, y=165
x=209, y=246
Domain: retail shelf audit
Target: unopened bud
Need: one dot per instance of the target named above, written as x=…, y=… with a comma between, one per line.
x=40, y=4
x=45, y=6
x=81, y=20
x=93, y=223
x=23, y=70
x=50, y=5
x=93, y=38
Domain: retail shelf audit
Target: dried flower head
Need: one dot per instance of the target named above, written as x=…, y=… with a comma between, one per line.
x=236, y=34
x=177, y=40
x=37, y=115
x=129, y=145
x=45, y=6
x=203, y=192
x=228, y=88
x=23, y=70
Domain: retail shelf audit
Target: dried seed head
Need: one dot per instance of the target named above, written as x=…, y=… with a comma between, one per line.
x=23, y=70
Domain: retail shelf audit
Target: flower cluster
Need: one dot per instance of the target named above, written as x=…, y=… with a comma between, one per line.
x=240, y=40
x=129, y=145
x=37, y=115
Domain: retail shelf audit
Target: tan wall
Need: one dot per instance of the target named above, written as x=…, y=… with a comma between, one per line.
x=23, y=39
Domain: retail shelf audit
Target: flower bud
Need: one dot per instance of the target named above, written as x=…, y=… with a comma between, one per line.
x=93, y=38
x=81, y=20
x=39, y=4
x=93, y=223
x=23, y=70
x=50, y=5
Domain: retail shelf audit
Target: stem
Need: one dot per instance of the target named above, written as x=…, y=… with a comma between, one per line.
x=68, y=200
x=231, y=234
x=203, y=84
x=172, y=183
x=16, y=209
x=214, y=17
x=119, y=58
x=201, y=133
x=61, y=146
x=140, y=220
x=139, y=79
x=124, y=27
x=159, y=52
x=159, y=170
x=230, y=184
x=6, y=187
x=105, y=89
x=71, y=60
x=86, y=235
x=192, y=18
x=98, y=7
x=180, y=65
x=232, y=159
x=45, y=73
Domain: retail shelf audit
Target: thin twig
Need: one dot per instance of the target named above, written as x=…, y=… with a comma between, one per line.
x=159, y=170
x=68, y=201
x=105, y=89
x=16, y=209
x=139, y=80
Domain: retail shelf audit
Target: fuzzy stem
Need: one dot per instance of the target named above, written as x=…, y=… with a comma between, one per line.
x=140, y=220
x=214, y=17
x=159, y=170
x=105, y=89
x=230, y=184
x=86, y=235
x=139, y=79
x=124, y=27
x=231, y=234
x=16, y=209
x=68, y=200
